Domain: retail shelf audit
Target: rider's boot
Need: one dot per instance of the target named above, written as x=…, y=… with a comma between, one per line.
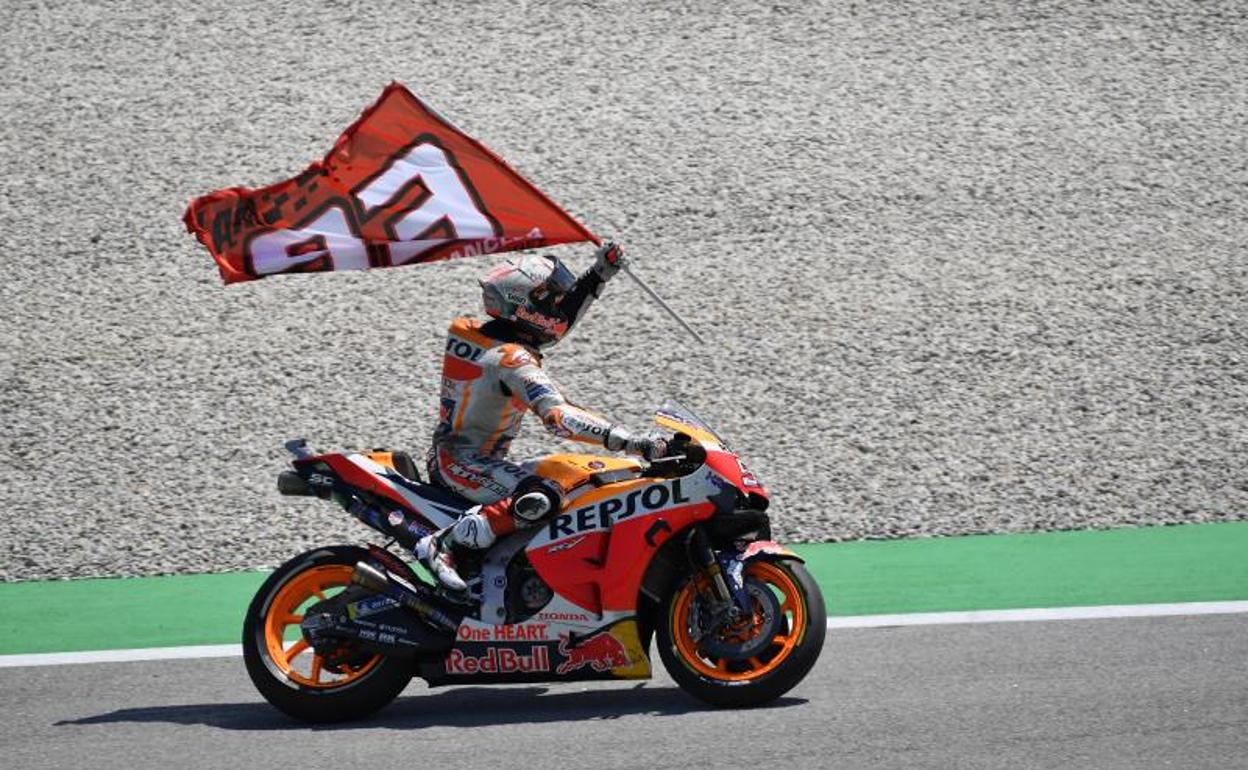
x=436, y=551
x=433, y=552
x=475, y=531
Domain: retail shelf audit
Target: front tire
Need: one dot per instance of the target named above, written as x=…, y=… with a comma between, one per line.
x=706, y=667
x=290, y=674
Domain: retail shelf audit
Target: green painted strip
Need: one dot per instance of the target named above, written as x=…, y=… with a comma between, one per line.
x=114, y=614
x=1150, y=565
x=1206, y=562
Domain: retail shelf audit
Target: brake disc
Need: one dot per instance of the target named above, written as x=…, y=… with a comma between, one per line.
x=751, y=634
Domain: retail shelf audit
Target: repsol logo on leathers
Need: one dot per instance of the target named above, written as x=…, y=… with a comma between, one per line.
x=604, y=514
x=461, y=349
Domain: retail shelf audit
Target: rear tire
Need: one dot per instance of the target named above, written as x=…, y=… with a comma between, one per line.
x=316, y=695
x=764, y=676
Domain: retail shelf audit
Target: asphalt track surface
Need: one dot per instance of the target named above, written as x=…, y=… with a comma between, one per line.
x=1131, y=693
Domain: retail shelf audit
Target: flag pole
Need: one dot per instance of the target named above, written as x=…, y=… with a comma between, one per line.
x=663, y=304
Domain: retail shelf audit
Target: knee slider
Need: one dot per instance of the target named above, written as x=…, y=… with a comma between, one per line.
x=533, y=500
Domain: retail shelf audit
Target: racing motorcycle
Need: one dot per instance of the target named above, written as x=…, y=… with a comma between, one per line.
x=677, y=550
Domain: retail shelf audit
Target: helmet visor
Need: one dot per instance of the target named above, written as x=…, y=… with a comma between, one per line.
x=561, y=279
x=558, y=283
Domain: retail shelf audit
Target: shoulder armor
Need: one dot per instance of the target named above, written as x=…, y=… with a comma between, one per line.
x=516, y=356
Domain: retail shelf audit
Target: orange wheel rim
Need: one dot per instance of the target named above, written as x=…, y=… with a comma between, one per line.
x=297, y=660
x=792, y=607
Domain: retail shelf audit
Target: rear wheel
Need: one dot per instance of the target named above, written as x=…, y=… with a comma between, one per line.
x=348, y=683
x=754, y=658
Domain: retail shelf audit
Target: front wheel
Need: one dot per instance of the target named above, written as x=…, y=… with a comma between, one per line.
x=287, y=671
x=754, y=658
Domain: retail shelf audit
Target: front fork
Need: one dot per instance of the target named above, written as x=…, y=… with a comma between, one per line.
x=724, y=574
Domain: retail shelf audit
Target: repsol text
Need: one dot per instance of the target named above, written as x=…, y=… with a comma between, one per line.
x=606, y=513
x=465, y=350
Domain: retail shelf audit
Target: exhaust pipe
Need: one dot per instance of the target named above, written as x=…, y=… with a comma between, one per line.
x=291, y=483
x=371, y=578
x=368, y=576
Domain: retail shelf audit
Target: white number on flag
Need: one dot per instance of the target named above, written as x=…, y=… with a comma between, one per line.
x=444, y=211
x=446, y=201
x=328, y=235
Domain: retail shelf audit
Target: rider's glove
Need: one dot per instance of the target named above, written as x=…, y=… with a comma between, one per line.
x=608, y=260
x=646, y=447
x=650, y=447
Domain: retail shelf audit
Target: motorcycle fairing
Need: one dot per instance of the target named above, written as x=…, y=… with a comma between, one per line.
x=594, y=553
x=540, y=652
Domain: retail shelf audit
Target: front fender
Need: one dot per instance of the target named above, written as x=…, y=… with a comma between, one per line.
x=760, y=548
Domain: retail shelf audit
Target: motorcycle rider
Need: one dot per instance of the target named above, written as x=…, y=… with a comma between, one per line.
x=491, y=375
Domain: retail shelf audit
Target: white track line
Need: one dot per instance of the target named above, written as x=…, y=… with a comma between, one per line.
x=120, y=656
x=1043, y=613
x=852, y=621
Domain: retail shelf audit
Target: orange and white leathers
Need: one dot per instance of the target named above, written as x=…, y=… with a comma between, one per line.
x=487, y=386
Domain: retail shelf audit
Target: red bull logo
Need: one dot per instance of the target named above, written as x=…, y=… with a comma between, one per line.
x=499, y=661
x=601, y=651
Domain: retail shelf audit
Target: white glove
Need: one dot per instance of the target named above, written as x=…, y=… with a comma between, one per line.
x=608, y=260
x=646, y=447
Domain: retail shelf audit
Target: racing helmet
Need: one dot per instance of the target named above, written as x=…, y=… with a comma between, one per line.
x=526, y=290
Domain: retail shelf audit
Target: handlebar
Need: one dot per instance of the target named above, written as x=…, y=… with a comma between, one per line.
x=683, y=456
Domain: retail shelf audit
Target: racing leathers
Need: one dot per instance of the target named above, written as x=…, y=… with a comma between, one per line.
x=488, y=383
x=491, y=375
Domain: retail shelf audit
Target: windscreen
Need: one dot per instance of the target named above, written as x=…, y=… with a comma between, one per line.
x=675, y=416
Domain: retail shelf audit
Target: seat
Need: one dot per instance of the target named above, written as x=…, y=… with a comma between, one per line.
x=409, y=478
x=442, y=496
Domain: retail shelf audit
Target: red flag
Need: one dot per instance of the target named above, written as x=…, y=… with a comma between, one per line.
x=401, y=186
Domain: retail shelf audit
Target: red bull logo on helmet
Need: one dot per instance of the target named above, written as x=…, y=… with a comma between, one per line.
x=602, y=652
x=553, y=326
